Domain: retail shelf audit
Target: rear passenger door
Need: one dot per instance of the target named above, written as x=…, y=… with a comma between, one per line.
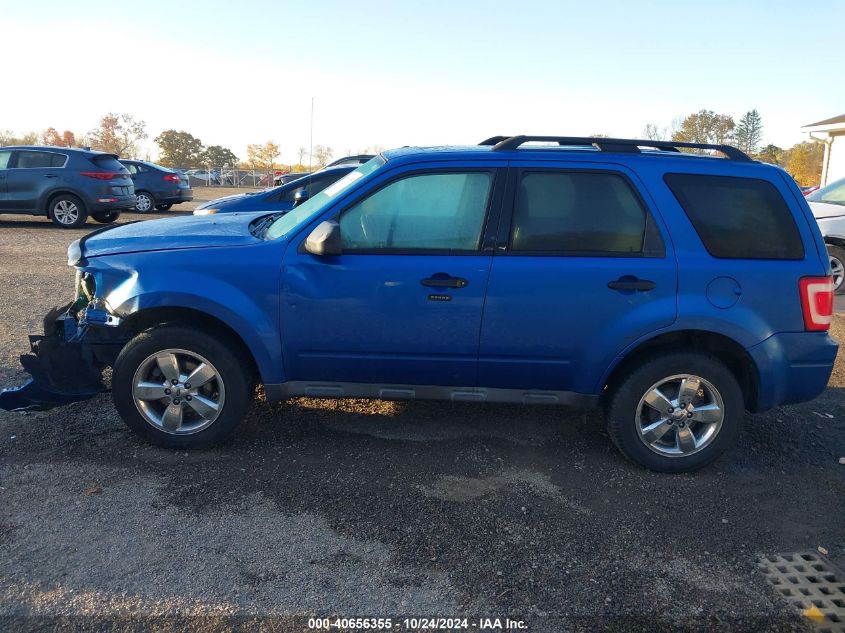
x=32, y=176
x=582, y=268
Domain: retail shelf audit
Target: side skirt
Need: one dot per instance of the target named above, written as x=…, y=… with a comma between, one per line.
x=285, y=390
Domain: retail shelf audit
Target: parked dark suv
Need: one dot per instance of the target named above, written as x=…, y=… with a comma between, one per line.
x=157, y=187
x=65, y=184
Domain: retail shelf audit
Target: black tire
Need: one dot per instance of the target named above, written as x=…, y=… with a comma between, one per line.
x=144, y=201
x=164, y=207
x=230, y=363
x=67, y=211
x=837, y=265
x=623, y=423
x=106, y=218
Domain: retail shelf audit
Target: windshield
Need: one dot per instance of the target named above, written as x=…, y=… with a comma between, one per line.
x=315, y=205
x=834, y=193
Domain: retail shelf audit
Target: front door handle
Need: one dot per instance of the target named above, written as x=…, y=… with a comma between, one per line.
x=50, y=175
x=444, y=280
x=629, y=282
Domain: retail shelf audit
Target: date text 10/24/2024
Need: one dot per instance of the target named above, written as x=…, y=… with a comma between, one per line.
x=416, y=624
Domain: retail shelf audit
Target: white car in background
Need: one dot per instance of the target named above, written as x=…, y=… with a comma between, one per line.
x=828, y=206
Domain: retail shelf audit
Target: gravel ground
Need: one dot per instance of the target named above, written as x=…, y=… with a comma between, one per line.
x=370, y=508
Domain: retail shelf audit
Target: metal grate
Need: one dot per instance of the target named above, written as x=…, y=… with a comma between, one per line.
x=812, y=584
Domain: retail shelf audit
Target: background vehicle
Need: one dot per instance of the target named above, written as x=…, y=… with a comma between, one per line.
x=354, y=161
x=283, y=179
x=808, y=190
x=157, y=187
x=65, y=184
x=828, y=206
x=205, y=176
x=593, y=273
x=282, y=198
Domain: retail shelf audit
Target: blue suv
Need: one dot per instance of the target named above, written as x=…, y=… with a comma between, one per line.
x=673, y=289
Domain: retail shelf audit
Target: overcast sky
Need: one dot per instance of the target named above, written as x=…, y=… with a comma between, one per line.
x=417, y=73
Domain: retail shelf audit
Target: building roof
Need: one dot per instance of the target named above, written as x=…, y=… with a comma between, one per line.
x=831, y=121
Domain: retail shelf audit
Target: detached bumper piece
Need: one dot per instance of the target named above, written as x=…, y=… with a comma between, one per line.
x=63, y=364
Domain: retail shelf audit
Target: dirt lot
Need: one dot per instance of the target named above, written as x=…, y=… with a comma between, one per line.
x=361, y=508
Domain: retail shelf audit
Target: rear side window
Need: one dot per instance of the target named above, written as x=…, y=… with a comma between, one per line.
x=4, y=159
x=738, y=218
x=108, y=163
x=580, y=213
x=34, y=160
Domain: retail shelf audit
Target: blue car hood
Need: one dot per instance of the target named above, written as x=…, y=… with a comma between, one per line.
x=173, y=233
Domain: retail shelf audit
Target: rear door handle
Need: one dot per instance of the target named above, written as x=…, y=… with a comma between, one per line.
x=632, y=283
x=444, y=280
x=50, y=176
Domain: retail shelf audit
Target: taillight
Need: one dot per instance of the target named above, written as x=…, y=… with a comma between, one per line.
x=102, y=175
x=817, y=302
x=172, y=178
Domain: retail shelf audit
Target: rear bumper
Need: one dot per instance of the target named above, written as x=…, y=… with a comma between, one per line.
x=185, y=195
x=114, y=203
x=792, y=367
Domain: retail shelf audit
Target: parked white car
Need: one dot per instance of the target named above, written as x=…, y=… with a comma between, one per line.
x=828, y=206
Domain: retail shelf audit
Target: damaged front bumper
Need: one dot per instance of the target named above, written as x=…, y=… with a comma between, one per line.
x=66, y=362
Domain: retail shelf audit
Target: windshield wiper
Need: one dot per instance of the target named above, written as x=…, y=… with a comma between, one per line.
x=259, y=227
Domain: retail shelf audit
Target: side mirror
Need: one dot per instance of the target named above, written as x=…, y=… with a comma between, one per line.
x=324, y=239
x=300, y=196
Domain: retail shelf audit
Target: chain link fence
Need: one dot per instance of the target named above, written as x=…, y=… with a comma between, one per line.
x=229, y=177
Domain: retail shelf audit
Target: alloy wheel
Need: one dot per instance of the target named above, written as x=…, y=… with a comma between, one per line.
x=178, y=391
x=680, y=415
x=837, y=269
x=65, y=212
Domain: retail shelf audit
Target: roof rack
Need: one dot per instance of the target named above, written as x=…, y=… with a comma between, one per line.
x=623, y=145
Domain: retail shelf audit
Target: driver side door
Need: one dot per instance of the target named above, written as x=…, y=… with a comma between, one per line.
x=402, y=304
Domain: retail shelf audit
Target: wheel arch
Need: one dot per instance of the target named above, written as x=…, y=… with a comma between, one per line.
x=50, y=196
x=145, y=319
x=724, y=348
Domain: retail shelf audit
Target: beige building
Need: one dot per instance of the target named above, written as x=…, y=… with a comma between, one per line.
x=831, y=132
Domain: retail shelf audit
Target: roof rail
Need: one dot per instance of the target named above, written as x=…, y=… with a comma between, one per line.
x=624, y=145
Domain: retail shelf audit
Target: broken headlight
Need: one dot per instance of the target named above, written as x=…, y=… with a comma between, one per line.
x=74, y=253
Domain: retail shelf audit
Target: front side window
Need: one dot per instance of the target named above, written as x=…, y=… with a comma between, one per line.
x=834, y=193
x=133, y=169
x=34, y=159
x=4, y=159
x=577, y=213
x=436, y=211
x=738, y=218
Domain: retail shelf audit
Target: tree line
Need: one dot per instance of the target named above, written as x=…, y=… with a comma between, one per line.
x=122, y=134
x=803, y=160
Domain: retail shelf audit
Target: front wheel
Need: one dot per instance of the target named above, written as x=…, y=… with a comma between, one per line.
x=676, y=413
x=837, y=267
x=106, y=218
x=181, y=388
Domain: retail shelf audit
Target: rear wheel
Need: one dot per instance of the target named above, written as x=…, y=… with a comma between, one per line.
x=677, y=412
x=164, y=207
x=67, y=211
x=144, y=202
x=181, y=388
x=837, y=267
x=106, y=218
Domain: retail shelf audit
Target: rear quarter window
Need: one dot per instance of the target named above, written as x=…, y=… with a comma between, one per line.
x=738, y=218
